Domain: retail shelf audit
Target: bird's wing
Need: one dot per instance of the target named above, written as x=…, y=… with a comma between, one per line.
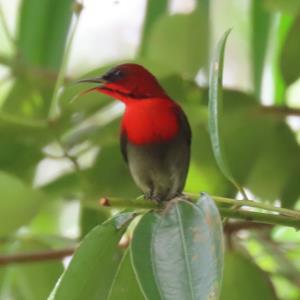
x=123, y=145
x=185, y=125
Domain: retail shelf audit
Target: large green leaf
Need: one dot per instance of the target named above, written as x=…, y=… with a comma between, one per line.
x=180, y=42
x=184, y=254
x=125, y=285
x=213, y=226
x=40, y=50
x=21, y=140
x=90, y=218
x=43, y=43
x=288, y=7
x=215, y=110
x=103, y=182
x=19, y=203
x=215, y=107
x=243, y=279
x=289, y=59
x=95, y=264
x=281, y=152
x=154, y=10
x=244, y=131
x=184, y=260
x=21, y=148
x=259, y=36
x=256, y=142
x=141, y=255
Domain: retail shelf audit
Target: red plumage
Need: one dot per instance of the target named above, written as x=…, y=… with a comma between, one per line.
x=155, y=133
x=150, y=121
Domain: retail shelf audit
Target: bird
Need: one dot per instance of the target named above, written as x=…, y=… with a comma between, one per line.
x=155, y=135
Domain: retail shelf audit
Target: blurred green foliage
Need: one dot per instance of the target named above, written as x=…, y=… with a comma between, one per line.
x=262, y=149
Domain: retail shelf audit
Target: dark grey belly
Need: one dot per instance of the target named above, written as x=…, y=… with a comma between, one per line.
x=159, y=170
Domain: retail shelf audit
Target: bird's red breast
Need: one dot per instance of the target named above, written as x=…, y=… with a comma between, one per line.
x=152, y=120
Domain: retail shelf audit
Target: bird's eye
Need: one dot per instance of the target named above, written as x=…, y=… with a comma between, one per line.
x=113, y=75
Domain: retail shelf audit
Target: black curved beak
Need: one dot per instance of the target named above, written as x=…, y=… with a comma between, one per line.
x=98, y=80
x=100, y=83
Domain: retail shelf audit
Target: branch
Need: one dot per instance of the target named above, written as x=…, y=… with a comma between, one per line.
x=233, y=227
x=280, y=110
x=35, y=256
x=254, y=204
x=275, y=215
x=258, y=217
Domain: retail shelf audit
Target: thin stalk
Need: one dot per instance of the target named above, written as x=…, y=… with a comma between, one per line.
x=282, y=111
x=285, y=218
x=241, y=190
x=73, y=159
x=36, y=256
x=260, y=217
x=259, y=205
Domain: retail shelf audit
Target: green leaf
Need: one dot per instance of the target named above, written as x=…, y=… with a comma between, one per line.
x=19, y=203
x=215, y=110
x=90, y=218
x=266, y=142
x=19, y=157
x=141, y=256
x=289, y=59
x=180, y=42
x=40, y=51
x=21, y=140
x=184, y=254
x=288, y=7
x=43, y=43
x=259, y=37
x=125, y=285
x=243, y=279
x=154, y=10
x=104, y=182
x=179, y=253
x=280, y=150
x=241, y=114
x=291, y=190
x=214, y=227
x=280, y=27
x=94, y=265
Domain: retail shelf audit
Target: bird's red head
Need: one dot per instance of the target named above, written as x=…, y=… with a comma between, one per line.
x=128, y=82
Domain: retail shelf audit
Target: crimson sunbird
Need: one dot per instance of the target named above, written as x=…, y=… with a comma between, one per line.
x=155, y=134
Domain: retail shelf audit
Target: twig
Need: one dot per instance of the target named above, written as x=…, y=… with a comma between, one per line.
x=280, y=110
x=259, y=205
x=35, y=256
x=74, y=161
x=261, y=217
x=288, y=218
x=233, y=227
